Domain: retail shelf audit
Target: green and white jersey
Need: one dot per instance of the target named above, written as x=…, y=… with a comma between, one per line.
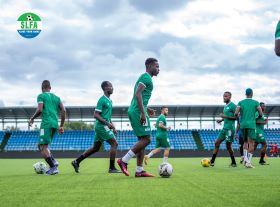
x=277, y=32
x=146, y=80
x=260, y=127
x=229, y=110
x=50, y=111
x=248, y=108
x=104, y=106
x=161, y=133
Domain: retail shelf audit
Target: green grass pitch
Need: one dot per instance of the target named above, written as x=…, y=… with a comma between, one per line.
x=190, y=185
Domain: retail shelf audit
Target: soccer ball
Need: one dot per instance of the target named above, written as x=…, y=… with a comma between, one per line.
x=165, y=170
x=40, y=167
x=205, y=162
x=29, y=18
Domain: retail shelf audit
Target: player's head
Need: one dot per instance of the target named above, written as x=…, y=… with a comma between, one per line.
x=46, y=86
x=263, y=106
x=107, y=87
x=227, y=96
x=249, y=93
x=164, y=110
x=152, y=66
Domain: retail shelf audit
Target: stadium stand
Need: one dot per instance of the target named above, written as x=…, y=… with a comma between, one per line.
x=208, y=138
x=2, y=134
x=82, y=140
x=22, y=141
x=272, y=136
x=179, y=139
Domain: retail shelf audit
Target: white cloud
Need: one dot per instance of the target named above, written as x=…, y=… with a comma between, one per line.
x=204, y=48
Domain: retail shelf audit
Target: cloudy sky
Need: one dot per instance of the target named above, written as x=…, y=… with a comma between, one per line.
x=204, y=48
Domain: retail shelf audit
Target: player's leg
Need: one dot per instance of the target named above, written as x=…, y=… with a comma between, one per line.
x=166, y=154
x=113, y=151
x=53, y=132
x=241, y=143
x=215, y=151
x=230, y=151
x=153, y=152
x=251, y=143
x=140, y=172
x=143, y=134
x=76, y=163
x=263, y=152
x=44, y=141
x=219, y=140
x=245, y=145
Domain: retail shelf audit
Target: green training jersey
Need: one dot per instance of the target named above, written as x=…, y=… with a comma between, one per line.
x=50, y=111
x=248, y=108
x=229, y=110
x=161, y=133
x=104, y=106
x=277, y=32
x=147, y=81
x=260, y=127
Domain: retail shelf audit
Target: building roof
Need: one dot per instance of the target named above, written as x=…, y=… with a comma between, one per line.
x=175, y=111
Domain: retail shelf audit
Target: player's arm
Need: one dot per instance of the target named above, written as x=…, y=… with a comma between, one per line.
x=237, y=111
x=262, y=122
x=97, y=115
x=141, y=87
x=227, y=117
x=260, y=111
x=37, y=113
x=151, y=112
x=161, y=125
x=62, y=118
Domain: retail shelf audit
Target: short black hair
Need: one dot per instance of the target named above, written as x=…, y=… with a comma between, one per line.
x=46, y=84
x=150, y=61
x=228, y=93
x=163, y=107
x=104, y=84
x=262, y=103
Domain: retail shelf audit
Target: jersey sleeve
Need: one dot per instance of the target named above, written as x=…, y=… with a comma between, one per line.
x=40, y=99
x=239, y=104
x=277, y=32
x=233, y=108
x=257, y=115
x=99, y=105
x=257, y=104
x=145, y=80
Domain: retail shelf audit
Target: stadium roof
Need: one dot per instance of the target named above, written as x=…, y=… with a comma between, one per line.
x=86, y=112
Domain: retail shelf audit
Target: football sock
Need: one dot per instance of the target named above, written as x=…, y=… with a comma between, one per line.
x=262, y=157
x=213, y=158
x=250, y=155
x=165, y=159
x=232, y=159
x=128, y=156
x=80, y=159
x=150, y=154
x=50, y=162
x=112, y=164
x=139, y=169
x=53, y=158
x=246, y=155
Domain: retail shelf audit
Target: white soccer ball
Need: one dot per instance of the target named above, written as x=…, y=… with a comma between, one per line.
x=40, y=167
x=29, y=18
x=165, y=170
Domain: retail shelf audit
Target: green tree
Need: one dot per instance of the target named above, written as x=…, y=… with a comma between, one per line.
x=77, y=125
